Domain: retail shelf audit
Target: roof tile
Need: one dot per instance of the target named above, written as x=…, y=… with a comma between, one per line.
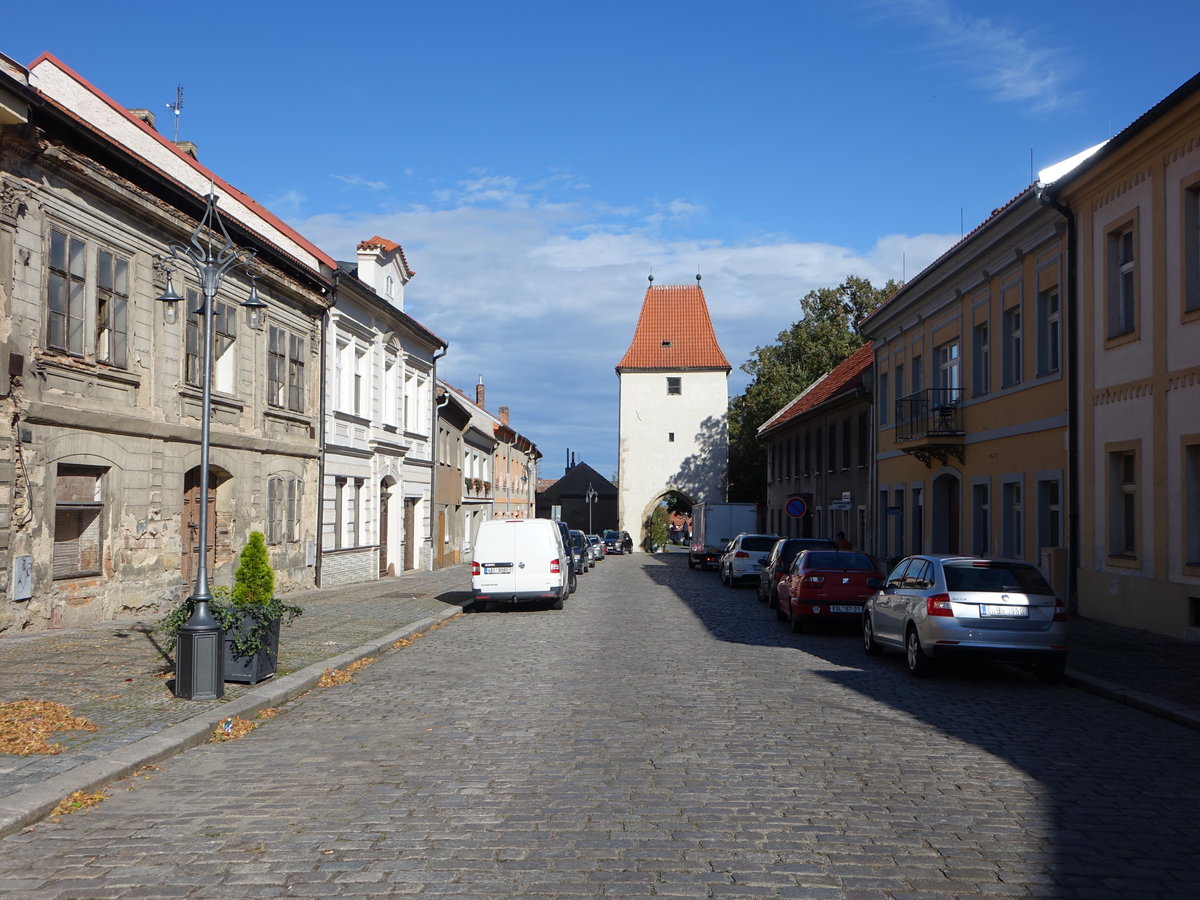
x=841, y=378
x=674, y=331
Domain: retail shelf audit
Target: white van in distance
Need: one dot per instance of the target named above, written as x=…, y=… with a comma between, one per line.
x=518, y=560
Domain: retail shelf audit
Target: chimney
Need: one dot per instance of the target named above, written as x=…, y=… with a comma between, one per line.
x=504, y=415
x=144, y=114
x=479, y=394
x=190, y=148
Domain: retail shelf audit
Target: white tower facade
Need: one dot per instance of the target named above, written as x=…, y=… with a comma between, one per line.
x=674, y=401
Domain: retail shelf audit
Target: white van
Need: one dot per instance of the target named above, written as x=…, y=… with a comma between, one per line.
x=517, y=560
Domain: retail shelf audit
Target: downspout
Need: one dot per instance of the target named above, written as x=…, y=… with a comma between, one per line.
x=321, y=430
x=433, y=450
x=1046, y=198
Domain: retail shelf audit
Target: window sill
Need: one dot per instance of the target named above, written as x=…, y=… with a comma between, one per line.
x=1118, y=340
x=1123, y=562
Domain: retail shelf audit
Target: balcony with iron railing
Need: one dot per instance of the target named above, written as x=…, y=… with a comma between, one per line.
x=929, y=424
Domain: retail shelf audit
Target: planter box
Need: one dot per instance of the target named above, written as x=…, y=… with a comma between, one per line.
x=251, y=670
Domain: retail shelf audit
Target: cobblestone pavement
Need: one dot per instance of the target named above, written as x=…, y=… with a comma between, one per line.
x=661, y=736
x=114, y=674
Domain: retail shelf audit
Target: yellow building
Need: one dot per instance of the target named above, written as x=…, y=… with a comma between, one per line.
x=971, y=397
x=1133, y=210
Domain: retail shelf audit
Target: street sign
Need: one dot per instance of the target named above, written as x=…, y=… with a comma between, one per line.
x=796, y=507
x=839, y=504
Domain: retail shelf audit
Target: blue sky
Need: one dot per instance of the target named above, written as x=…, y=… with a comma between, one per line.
x=537, y=160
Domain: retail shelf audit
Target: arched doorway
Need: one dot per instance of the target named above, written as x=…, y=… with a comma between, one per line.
x=670, y=513
x=946, y=521
x=218, y=524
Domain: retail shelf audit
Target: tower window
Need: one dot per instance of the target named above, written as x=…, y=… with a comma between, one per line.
x=666, y=344
x=674, y=385
x=670, y=437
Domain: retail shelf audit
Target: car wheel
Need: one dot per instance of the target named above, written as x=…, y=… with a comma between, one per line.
x=691, y=562
x=797, y=622
x=868, y=635
x=1051, y=672
x=760, y=594
x=918, y=662
x=557, y=603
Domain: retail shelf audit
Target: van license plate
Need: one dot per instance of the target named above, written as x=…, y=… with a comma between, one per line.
x=497, y=570
x=1012, y=612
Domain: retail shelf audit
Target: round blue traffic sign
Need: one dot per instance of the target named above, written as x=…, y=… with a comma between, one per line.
x=796, y=507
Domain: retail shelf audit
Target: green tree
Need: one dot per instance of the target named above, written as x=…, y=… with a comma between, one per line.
x=824, y=335
x=254, y=580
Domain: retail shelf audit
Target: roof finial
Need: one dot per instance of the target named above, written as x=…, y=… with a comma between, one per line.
x=697, y=277
x=652, y=274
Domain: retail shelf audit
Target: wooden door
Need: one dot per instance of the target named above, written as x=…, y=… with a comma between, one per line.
x=191, y=524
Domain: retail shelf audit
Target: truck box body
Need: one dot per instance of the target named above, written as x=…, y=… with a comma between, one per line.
x=517, y=560
x=714, y=525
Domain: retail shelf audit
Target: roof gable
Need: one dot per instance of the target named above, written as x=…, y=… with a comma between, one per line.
x=841, y=379
x=674, y=331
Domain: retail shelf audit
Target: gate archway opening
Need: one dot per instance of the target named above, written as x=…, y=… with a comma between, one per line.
x=666, y=521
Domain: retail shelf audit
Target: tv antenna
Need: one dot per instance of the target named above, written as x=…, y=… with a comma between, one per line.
x=177, y=106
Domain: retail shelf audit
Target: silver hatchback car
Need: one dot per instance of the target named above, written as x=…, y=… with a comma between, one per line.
x=939, y=606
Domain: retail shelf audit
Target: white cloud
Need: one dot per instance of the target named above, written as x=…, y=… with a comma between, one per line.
x=541, y=296
x=359, y=181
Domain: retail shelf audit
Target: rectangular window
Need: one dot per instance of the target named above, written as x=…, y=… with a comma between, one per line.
x=112, y=309
x=1049, y=513
x=882, y=406
x=808, y=453
x=898, y=379
x=1122, y=500
x=881, y=522
x=1012, y=346
x=1012, y=535
x=832, y=447
x=864, y=441
x=224, y=337
x=981, y=536
x=360, y=380
x=1191, y=250
x=947, y=374
x=1191, y=489
x=339, y=512
x=1122, y=281
x=817, y=441
x=285, y=370
x=845, y=444
x=67, y=293
x=1049, y=331
x=898, y=527
x=917, y=512
x=981, y=360
x=670, y=437
x=674, y=385
x=918, y=375
x=78, y=522
x=283, y=509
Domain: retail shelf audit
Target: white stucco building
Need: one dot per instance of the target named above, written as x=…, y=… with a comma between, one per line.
x=674, y=401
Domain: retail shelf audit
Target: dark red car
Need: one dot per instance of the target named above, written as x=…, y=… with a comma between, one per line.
x=827, y=585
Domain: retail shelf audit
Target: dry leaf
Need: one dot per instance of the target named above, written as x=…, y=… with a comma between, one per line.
x=26, y=724
x=77, y=801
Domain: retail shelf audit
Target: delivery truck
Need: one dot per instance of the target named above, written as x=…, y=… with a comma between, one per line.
x=716, y=524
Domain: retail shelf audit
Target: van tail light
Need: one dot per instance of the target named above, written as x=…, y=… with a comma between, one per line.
x=813, y=580
x=554, y=567
x=938, y=605
x=475, y=568
x=1060, y=611
x=742, y=554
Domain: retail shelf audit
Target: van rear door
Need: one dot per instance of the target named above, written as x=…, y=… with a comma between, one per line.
x=495, y=552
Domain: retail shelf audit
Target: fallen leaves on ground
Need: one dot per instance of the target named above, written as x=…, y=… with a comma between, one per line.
x=77, y=801
x=25, y=726
x=330, y=677
x=231, y=729
x=269, y=713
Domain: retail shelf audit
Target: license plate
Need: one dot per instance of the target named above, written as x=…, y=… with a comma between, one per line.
x=497, y=570
x=1012, y=612
x=845, y=609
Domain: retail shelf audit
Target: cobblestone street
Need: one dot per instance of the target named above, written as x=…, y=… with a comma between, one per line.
x=661, y=736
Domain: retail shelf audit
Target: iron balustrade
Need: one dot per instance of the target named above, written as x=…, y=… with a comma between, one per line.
x=932, y=412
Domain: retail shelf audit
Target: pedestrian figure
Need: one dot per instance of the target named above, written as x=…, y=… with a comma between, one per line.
x=843, y=543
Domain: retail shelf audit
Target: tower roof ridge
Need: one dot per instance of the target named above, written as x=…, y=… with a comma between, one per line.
x=674, y=331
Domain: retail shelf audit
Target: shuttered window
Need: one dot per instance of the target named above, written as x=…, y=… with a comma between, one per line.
x=78, y=523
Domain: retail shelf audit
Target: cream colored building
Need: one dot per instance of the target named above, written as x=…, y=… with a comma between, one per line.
x=1134, y=212
x=674, y=402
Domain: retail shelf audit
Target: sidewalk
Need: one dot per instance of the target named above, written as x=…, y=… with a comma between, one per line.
x=113, y=675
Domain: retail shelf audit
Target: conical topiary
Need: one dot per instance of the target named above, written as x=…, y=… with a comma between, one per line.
x=254, y=580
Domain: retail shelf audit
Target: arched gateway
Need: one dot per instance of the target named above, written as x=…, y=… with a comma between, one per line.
x=674, y=398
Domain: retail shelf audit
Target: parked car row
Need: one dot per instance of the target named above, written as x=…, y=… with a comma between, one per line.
x=930, y=606
x=529, y=560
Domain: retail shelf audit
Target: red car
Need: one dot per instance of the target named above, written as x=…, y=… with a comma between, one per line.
x=826, y=585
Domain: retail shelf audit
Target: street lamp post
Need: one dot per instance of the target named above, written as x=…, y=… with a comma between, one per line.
x=199, y=651
x=591, y=496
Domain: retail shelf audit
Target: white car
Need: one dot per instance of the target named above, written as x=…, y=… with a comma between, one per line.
x=745, y=556
x=517, y=560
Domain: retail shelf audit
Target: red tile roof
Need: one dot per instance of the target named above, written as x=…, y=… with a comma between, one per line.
x=381, y=243
x=674, y=331
x=842, y=378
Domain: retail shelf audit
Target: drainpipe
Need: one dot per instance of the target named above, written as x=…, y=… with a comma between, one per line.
x=1047, y=198
x=433, y=449
x=325, y=319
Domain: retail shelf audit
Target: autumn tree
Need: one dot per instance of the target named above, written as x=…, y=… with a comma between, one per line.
x=824, y=335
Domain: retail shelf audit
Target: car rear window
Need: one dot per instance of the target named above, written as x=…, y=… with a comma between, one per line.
x=996, y=577
x=838, y=559
x=759, y=544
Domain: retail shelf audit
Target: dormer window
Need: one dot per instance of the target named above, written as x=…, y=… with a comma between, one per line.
x=666, y=345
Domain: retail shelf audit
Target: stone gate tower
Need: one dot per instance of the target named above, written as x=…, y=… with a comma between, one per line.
x=674, y=399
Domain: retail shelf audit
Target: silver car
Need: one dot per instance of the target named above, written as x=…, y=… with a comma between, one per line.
x=940, y=607
x=596, y=546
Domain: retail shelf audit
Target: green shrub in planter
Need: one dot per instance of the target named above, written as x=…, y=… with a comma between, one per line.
x=249, y=613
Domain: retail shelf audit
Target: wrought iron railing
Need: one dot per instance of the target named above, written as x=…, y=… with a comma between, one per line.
x=929, y=413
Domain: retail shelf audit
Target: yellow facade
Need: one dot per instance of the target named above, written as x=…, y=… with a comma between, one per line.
x=971, y=398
